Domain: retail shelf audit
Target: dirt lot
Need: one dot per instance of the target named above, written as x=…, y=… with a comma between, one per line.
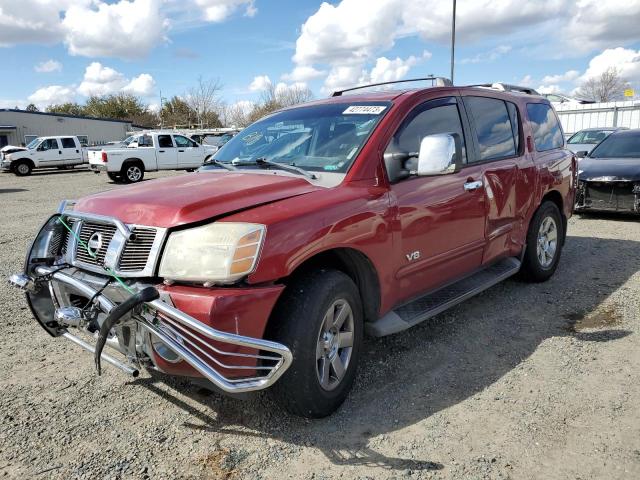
x=524, y=381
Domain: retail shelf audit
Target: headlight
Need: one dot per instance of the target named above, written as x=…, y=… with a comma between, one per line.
x=220, y=252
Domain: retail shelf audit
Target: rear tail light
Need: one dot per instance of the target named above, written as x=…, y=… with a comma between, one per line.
x=104, y=157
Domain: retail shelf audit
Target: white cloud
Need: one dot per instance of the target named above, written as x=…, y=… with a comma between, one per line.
x=48, y=66
x=100, y=80
x=260, y=83
x=219, y=10
x=626, y=61
x=52, y=94
x=302, y=74
x=549, y=89
x=31, y=21
x=567, y=76
x=490, y=56
x=526, y=81
x=126, y=29
x=142, y=86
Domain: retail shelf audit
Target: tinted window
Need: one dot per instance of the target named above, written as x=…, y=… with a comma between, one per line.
x=164, y=141
x=493, y=127
x=427, y=119
x=514, y=116
x=68, y=143
x=620, y=145
x=184, y=141
x=547, y=133
x=49, y=144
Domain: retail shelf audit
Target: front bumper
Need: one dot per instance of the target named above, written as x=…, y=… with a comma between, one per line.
x=163, y=334
x=5, y=165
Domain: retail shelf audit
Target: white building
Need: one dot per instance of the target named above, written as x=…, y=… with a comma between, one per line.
x=19, y=127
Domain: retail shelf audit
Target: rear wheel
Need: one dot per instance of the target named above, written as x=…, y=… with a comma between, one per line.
x=132, y=172
x=320, y=319
x=544, y=243
x=22, y=168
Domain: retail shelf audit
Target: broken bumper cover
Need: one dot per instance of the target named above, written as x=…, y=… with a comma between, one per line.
x=212, y=353
x=603, y=194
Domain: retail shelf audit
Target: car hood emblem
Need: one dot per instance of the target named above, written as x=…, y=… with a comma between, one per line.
x=95, y=242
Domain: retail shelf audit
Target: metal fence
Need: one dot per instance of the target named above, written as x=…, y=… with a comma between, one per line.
x=614, y=114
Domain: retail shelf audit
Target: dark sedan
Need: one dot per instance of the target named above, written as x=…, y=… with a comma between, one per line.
x=609, y=176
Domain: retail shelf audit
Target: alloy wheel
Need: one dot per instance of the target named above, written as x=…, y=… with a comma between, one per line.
x=547, y=242
x=335, y=344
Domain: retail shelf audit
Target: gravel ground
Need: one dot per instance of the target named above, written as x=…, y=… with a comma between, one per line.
x=523, y=381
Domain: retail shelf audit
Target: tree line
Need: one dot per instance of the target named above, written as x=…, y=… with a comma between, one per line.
x=201, y=106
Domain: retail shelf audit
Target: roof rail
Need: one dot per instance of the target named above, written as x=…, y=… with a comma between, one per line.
x=435, y=82
x=505, y=87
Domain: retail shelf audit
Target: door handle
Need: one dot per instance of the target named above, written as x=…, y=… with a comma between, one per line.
x=181, y=151
x=59, y=152
x=160, y=151
x=471, y=186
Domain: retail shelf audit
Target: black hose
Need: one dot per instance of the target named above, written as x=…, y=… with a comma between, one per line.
x=146, y=295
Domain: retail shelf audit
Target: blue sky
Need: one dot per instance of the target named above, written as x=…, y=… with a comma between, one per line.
x=340, y=43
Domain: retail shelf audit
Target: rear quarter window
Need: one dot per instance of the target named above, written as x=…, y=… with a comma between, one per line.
x=547, y=133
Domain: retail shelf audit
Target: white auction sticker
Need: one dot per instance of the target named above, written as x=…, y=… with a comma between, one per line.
x=365, y=109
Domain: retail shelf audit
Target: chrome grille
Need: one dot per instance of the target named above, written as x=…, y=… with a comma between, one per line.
x=87, y=229
x=136, y=251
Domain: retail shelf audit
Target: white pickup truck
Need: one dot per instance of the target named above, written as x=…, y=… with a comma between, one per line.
x=44, y=152
x=149, y=152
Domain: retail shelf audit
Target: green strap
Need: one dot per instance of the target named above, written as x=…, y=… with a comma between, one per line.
x=94, y=256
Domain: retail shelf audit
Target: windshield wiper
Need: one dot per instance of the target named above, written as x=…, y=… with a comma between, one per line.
x=282, y=166
x=224, y=165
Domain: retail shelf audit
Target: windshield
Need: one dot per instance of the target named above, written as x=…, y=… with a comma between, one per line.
x=316, y=138
x=622, y=145
x=589, y=136
x=34, y=143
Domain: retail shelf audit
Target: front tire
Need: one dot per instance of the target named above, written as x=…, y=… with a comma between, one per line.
x=22, y=168
x=132, y=172
x=320, y=319
x=544, y=244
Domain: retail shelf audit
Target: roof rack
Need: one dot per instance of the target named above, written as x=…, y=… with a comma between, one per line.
x=505, y=87
x=435, y=82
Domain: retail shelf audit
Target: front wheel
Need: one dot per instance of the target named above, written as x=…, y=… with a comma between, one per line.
x=22, y=169
x=544, y=243
x=320, y=319
x=132, y=173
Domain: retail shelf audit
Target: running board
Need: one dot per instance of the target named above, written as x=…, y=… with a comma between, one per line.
x=432, y=304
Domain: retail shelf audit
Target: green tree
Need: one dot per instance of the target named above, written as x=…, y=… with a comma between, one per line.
x=69, y=108
x=121, y=106
x=177, y=112
x=32, y=108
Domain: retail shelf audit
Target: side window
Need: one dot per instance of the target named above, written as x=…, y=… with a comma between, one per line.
x=547, y=133
x=514, y=116
x=184, y=141
x=49, y=144
x=68, y=143
x=84, y=140
x=493, y=127
x=164, y=141
x=145, y=141
x=436, y=116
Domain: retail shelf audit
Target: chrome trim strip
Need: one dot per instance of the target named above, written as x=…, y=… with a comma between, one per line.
x=179, y=319
x=105, y=356
x=100, y=218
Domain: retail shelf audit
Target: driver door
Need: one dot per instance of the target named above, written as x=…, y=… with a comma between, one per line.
x=49, y=154
x=441, y=218
x=190, y=154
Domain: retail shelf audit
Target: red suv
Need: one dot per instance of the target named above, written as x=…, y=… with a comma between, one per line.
x=357, y=213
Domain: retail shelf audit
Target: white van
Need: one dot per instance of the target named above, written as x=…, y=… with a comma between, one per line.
x=42, y=152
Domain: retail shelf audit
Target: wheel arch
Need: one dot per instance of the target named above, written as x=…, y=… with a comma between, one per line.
x=25, y=160
x=354, y=264
x=556, y=197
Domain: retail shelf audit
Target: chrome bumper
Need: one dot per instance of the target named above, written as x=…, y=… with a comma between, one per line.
x=181, y=333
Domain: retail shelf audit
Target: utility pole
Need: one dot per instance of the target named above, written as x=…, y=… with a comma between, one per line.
x=453, y=38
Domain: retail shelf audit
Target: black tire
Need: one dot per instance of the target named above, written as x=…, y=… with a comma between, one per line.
x=132, y=172
x=22, y=168
x=113, y=176
x=297, y=323
x=534, y=269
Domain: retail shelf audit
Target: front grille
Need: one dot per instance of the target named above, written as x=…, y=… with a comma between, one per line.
x=136, y=253
x=610, y=196
x=59, y=240
x=87, y=230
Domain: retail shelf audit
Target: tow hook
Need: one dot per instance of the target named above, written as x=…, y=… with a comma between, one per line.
x=23, y=282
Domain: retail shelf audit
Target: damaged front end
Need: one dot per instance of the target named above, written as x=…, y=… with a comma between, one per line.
x=74, y=288
x=610, y=194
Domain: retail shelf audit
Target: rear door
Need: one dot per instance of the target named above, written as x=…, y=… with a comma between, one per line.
x=166, y=153
x=70, y=151
x=190, y=154
x=507, y=173
x=441, y=218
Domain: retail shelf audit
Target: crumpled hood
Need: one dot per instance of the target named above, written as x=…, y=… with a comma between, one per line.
x=188, y=198
x=617, y=168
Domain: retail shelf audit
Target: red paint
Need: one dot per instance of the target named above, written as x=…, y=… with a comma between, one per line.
x=456, y=231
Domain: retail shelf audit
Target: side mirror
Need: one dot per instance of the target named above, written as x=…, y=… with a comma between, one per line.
x=439, y=154
x=582, y=154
